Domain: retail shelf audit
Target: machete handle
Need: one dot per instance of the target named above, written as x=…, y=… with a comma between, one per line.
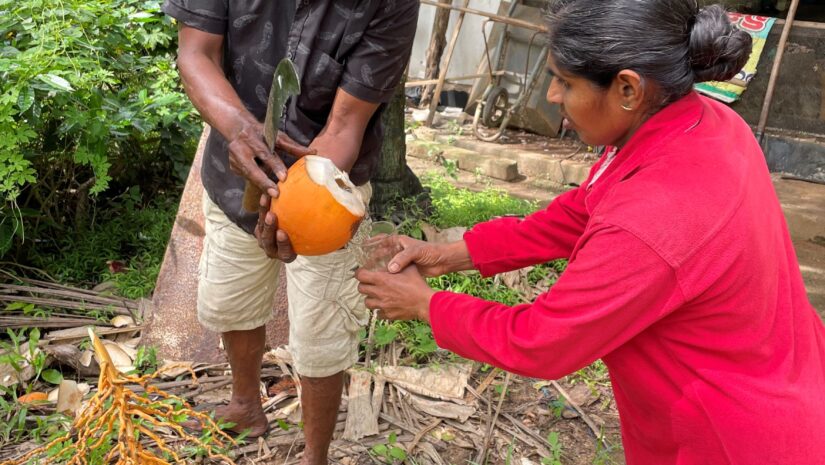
x=251, y=197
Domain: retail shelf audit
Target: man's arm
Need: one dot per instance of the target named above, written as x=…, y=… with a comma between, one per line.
x=199, y=61
x=340, y=140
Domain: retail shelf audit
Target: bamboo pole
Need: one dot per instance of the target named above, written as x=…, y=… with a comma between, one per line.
x=443, y=73
x=777, y=61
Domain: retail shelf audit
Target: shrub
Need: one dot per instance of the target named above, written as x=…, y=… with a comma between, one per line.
x=89, y=103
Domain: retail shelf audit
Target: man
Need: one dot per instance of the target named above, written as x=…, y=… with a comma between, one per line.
x=350, y=56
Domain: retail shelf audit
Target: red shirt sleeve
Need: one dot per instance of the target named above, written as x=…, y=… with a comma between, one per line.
x=615, y=288
x=507, y=244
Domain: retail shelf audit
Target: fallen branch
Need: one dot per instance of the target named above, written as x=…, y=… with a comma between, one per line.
x=584, y=416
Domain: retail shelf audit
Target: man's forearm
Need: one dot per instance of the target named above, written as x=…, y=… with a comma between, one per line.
x=341, y=145
x=213, y=96
x=340, y=139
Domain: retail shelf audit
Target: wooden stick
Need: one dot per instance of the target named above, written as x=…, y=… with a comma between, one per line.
x=427, y=82
x=482, y=454
x=585, y=417
x=443, y=73
x=494, y=17
x=804, y=24
x=777, y=61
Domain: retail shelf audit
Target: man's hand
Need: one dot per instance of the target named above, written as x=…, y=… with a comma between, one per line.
x=274, y=241
x=250, y=157
x=400, y=296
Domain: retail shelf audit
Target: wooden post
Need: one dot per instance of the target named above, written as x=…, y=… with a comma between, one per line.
x=435, y=51
x=777, y=61
x=443, y=73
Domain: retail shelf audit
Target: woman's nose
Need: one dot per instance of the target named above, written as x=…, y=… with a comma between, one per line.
x=554, y=91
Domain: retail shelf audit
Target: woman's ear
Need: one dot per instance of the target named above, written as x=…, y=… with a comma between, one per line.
x=630, y=88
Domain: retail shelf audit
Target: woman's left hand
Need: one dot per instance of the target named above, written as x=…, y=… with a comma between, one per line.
x=399, y=296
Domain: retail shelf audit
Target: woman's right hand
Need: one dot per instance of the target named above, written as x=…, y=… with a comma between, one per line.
x=431, y=259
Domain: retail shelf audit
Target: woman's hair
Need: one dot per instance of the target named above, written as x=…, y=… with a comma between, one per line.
x=670, y=42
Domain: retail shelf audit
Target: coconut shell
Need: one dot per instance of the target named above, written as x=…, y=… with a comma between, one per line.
x=314, y=220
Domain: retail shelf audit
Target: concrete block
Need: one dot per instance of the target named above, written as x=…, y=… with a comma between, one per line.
x=575, y=172
x=484, y=148
x=424, y=149
x=494, y=167
x=425, y=133
x=540, y=166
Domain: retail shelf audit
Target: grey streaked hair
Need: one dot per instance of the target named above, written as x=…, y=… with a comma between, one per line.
x=672, y=43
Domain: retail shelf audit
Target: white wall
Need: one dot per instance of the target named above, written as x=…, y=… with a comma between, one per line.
x=470, y=47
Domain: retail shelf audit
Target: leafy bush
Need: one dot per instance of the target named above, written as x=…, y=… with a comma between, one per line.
x=89, y=102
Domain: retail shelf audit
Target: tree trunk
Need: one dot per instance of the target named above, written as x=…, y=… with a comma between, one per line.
x=437, y=42
x=395, y=183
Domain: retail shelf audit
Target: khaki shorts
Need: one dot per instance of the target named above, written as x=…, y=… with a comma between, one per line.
x=237, y=285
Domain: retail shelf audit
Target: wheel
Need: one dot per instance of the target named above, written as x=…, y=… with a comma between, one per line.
x=495, y=107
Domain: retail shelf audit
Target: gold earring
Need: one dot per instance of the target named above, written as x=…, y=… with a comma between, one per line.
x=627, y=107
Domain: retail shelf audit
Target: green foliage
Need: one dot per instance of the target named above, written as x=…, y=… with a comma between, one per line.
x=146, y=360
x=389, y=453
x=89, y=101
x=461, y=207
x=555, y=450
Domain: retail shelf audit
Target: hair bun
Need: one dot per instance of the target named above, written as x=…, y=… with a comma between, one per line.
x=717, y=49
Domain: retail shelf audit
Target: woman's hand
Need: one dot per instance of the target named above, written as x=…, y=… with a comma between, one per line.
x=400, y=296
x=431, y=259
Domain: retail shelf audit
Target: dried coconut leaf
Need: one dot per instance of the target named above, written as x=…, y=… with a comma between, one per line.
x=440, y=236
x=121, y=321
x=361, y=420
x=121, y=359
x=69, y=397
x=440, y=409
x=446, y=382
x=172, y=369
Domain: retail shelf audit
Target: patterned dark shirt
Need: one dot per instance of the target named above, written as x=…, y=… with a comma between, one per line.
x=361, y=46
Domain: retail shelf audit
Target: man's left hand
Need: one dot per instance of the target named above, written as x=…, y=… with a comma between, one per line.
x=399, y=296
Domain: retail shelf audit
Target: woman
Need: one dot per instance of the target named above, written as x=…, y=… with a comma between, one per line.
x=682, y=276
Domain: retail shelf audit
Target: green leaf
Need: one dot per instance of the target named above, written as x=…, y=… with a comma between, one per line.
x=56, y=82
x=52, y=376
x=393, y=437
x=398, y=453
x=380, y=449
x=25, y=99
x=15, y=306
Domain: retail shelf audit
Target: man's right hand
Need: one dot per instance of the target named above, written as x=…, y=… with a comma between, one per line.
x=250, y=157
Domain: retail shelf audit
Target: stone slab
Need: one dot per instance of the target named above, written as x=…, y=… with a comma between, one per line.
x=424, y=149
x=487, y=165
x=173, y=326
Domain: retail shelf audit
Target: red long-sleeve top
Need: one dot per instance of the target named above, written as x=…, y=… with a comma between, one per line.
x=683, y=279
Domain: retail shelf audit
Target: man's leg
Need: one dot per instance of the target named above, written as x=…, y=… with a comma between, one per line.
x=320, y=399
x=245, y=350
x=237, y=286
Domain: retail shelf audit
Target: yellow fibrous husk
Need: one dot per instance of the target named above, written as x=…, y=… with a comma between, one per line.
x=117, y=415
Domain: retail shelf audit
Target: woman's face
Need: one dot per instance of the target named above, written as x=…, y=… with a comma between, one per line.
x=595, y=113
